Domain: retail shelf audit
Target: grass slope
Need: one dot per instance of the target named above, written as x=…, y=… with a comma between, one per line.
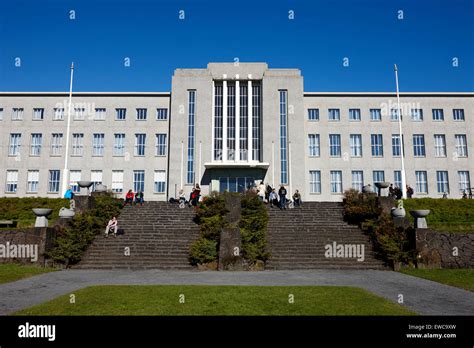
x=219, y=300
x=461, y=278
x=13, y=272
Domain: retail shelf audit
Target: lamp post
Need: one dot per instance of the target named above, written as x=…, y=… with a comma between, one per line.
x=66, y=154
x=402, y=151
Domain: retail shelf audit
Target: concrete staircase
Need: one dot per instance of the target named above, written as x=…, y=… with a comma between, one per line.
x=297, y=238
x=158, y=234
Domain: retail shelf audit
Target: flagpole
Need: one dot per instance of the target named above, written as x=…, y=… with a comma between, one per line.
x=402, y=152
x=66, y=154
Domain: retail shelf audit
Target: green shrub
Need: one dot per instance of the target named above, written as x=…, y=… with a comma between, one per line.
x=360, y=207
x=203, y=251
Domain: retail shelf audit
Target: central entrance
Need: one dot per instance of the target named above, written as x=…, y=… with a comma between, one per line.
x=235, y=184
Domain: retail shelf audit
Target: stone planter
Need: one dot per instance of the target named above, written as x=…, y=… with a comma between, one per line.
x=100, y=188
x=382, y=186
x=398, y=212
x=85, y=184
x=42, y=216
x=367, y=189
x=420, y=215
x=66, y=213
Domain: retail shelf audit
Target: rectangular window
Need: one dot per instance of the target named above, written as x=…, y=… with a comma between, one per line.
x=138, y=180
x=120, y=114
x=378, y=176
x=283, y=137
x=256, y=122
x=141, y=114
x=32, y=181
x=15, y=144
x=314, y=145
x=12, y=181
x=334, y=115
x=442, y=181
x=458, y=114
x=79, y=114
x=335, y=145
x=376, y=143
x=98, y=144
x=56, y=144
x=160, y=145
x=421, y=181
x=375, y=114
x=36, y=144
x=38, y=114
x=243, y=122
x=356, y=145
x=77, y=144
x=313, y=114
x=397, y=178
x=394, y=115
x=231, y=123
x=354, y=114
x=416, y=114
x=357, y=180
x=464, y=182
x=440, y=145
x=140, y=140
x=438, y=114
x=74, y=177
x=96, y=178
x=218, y=122
x=53, y=181
x=160, y=181
x=117, y=181
x=419, y=145
x=161, y=114
x=58, y=114
x=315, y=181
x=461, y=145
x=191, y=116
x=119, y=144
x=396, y=149
x=336, y=181
x=99, y=114
x=17, y=114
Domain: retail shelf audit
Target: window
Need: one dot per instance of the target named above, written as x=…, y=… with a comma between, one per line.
x=356, y=145
x=314, y=145
x=77, y=144
x=38, y=114
x=12, y=181
x=458, y=114
x=17, y=114
x=394, y=115
x=1, y=114
x=32, y=181
x=419, y=145
x=160, y=179
x=160, y=145
x=141, y=114
x=397, y=178
x=335, y=145
x=218, y=122
x=440, y=145
x=53, y=181
x=98, y=144
x=120, y=114
x=334, y=115
x=117, y=181
x=378, y=176
x=58, y=114
x=416, y=114
x=191, y=115
x=256, y=122
x=56, y=144
x=354, y=114
x=119, y=144
x=161, y=114
x=421, y=181
x=243, y=122
x=396, y=149
x=283, y=137
x=442, y=181
x=140, y=140
x=99, y=114
x=313, y=114
x=15, y=143
x=235, y=184
x=96, y=178
x=357, y=180
x=36, y=143
x=464, y=181
x=438, y=115
x=315, y=181
x=376, y=141
x=461, y=145
x=79, y=114
x=138, y=180
x=375, y=114
x=231, y=124
x=74, y=177
x=336, y=181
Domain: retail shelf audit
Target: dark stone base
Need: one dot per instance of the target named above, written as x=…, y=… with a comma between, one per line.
x=83, y=203
x=230, y=244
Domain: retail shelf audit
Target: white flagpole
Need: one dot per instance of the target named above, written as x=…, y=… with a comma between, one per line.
x=402, y=152
x=66, y=154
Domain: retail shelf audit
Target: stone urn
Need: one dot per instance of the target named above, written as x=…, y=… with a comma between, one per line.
x=382, y=186
x=85, y=184
x=66, y=213
x=367, y=189
x=399, y=211
x=420, y=215
x=100, y=188
x=42, y=216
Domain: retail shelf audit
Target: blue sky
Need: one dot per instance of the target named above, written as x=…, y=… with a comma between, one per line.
x=316, y=41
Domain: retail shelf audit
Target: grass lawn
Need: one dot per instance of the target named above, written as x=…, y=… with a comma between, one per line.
x=10, y=272
x=461, y=278
x=219, y=300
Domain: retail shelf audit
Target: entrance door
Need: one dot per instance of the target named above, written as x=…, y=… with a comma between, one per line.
x=239, y=184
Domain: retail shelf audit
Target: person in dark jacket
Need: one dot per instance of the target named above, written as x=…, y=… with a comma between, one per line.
x=282, y=195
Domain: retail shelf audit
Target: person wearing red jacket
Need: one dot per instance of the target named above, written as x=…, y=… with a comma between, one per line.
x=129, y=198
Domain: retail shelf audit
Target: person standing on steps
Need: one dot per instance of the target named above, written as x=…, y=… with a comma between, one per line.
x=282, y=195
x=195, y=195
x=261, y=191
x=268, y=191
x=112, y=225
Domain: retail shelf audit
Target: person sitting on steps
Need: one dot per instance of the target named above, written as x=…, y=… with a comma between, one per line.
x=297, y=198
x=128, y=198
x=273, y=198
x=139, y=198
x=112, y=225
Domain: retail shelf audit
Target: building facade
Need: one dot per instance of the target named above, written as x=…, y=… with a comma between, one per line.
x=230, y=126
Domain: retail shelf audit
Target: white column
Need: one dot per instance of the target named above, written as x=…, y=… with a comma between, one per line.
x=250, y=113
x=213, y=121
x=237, y=118
x=182, y=160
x=224, y=120
x=65, y=180
x=199, y=163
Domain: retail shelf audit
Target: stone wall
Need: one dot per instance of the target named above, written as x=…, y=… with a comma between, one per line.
x=444, y=250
